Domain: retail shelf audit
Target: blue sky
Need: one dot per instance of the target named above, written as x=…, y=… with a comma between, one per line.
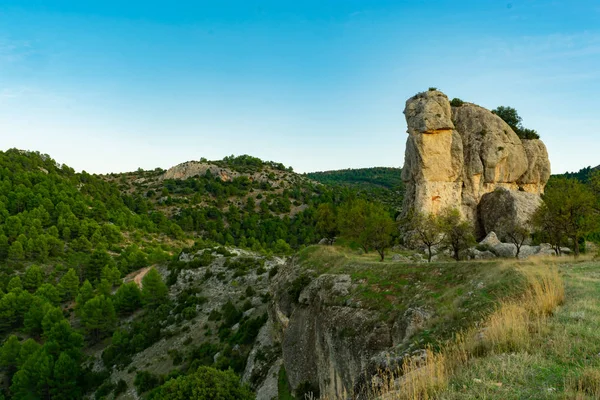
x=115, y=85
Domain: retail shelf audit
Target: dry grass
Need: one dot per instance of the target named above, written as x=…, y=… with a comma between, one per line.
x=509, y=329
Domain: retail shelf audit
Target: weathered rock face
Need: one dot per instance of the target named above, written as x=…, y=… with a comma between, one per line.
x=501, y=207
x=330, y=346
x=455, y=155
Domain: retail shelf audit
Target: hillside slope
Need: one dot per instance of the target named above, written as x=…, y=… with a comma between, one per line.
x=381, y=183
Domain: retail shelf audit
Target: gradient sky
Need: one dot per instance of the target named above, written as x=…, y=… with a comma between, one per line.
x=110, y=86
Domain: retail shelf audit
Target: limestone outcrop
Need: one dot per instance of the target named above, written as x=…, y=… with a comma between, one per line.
x=456, y=155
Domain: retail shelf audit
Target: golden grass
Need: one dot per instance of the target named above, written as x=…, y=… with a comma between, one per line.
x=508, y=329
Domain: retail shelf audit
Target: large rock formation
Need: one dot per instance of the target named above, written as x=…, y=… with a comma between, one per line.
x=456, y=155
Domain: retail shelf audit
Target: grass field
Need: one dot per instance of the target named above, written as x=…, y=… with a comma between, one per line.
x=560, y=358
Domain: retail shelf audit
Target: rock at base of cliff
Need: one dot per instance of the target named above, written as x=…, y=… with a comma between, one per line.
x=506, y=250
x=502, y=209
x=490, y=240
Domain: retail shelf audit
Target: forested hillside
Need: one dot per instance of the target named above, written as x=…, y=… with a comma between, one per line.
x=382, y=183
x=83, y=258
x=241, y=201
x=583, y=175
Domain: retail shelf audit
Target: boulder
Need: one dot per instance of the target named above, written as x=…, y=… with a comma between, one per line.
x=456, y=155
x=505, y=250
x=502, y=208
x=546, y=250
x=490, y=240
x=527, y=251
x=400, y=258
x=482, y=255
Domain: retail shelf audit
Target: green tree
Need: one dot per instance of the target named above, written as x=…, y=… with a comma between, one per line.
x=98, y=260
x=128, y=298
x=352, y=221
x=69, y=285
x=16, y=251
x=86, y=293
x=509, y=115
x=33, y=278
x=104, y=288
x=111, y=274
x=33, y=379
x=64, y=379
x=516, y=232
x=28, y=348
x=327, y=224
x=204, y=384
x=49, y=292
x=512, y=118
x=379, y=229
x=98, y=317
x=154, y=290
x=33, y=318
x=9, y=355
x=15, y=284
x=426, y=228
x=569, y=211
x=458, y=234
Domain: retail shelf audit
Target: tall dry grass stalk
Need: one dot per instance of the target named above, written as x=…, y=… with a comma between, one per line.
x=508, y=329
x=420, y=378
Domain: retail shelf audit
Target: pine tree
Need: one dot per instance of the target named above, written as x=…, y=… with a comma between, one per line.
x=64, y=379
x=33, y=318
x=9, y=355
x=15, y=284
x=104, y=288
x=16, y=252
x=33, y=379
x=33, y=278
x=69, y=284
x=49, y=292
x=86, y=293
x=154, y=290
x=128, y=298
x=98, y=316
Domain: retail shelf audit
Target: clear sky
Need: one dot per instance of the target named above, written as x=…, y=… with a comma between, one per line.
x=110, y=86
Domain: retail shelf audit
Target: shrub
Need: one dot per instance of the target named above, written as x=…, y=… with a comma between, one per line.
x=431, y=89
x=306, y=390
x=298, y=286
x=120, y=388
x=206, y=383
x=456, y=102
x=145, y=381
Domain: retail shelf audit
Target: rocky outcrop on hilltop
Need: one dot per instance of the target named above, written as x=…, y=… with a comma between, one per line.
x=191, y=169
x=456, y=155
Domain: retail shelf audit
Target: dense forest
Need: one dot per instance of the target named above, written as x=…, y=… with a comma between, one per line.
x=383, y=183
x=70, y=244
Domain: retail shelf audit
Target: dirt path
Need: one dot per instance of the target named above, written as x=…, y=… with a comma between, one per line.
x=137, y=276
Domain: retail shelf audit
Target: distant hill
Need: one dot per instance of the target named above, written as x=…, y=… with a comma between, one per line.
x=382, y=183
x=581, y=175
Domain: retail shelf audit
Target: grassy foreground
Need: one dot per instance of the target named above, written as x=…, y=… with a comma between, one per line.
x=544, y=344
